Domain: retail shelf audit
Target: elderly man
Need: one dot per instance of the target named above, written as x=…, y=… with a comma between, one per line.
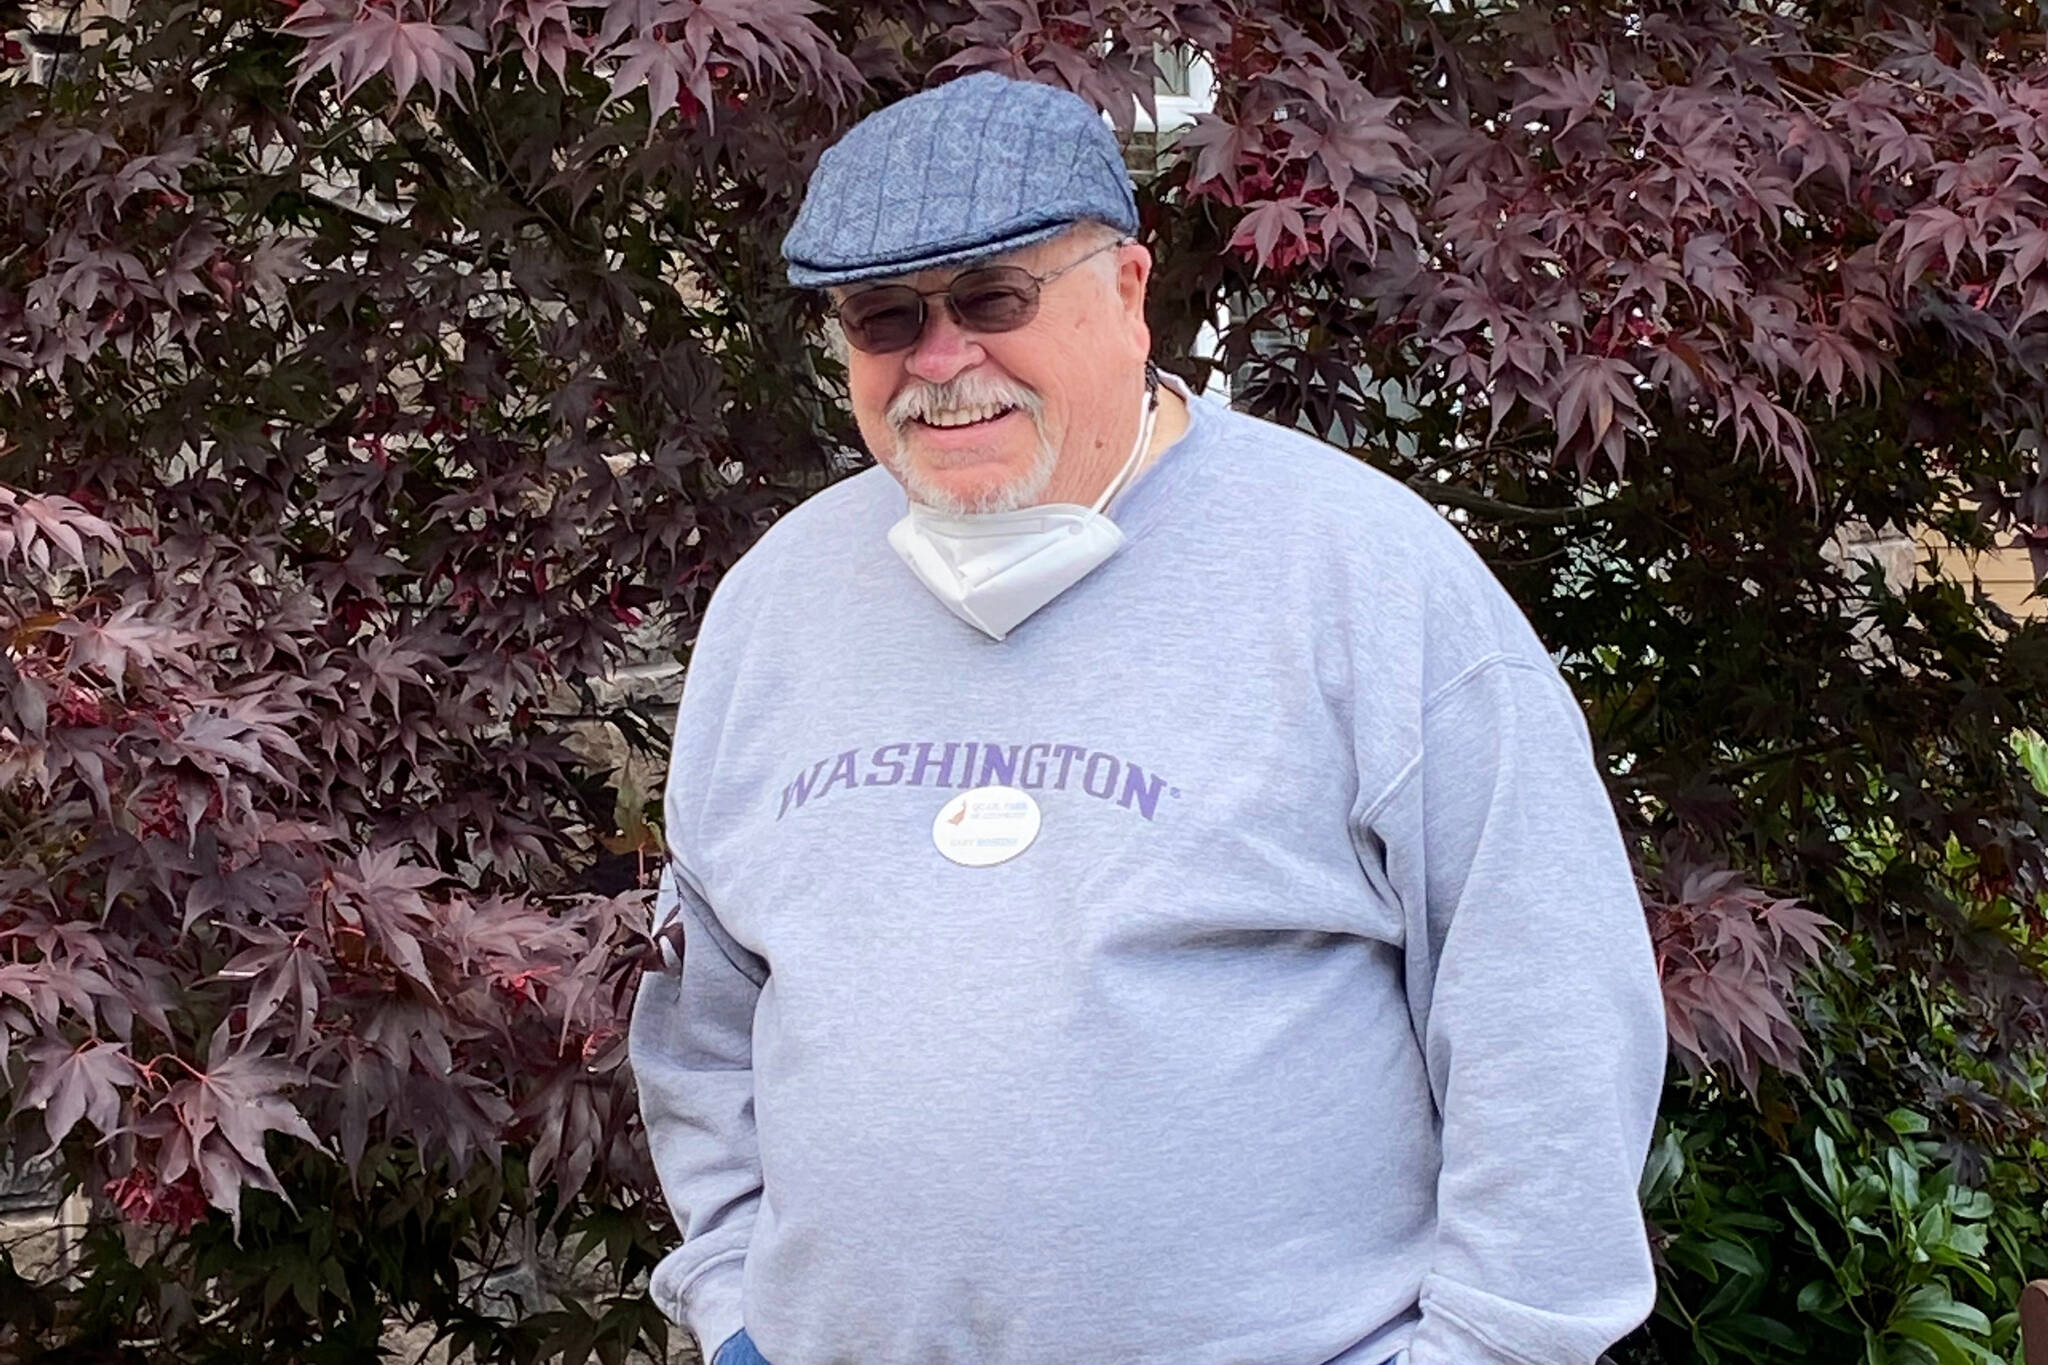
x=1144, y=892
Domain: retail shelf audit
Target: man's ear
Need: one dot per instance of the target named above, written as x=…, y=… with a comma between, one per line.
x=1133, y=273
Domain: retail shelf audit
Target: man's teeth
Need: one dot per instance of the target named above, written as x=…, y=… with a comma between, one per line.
x=961, y=417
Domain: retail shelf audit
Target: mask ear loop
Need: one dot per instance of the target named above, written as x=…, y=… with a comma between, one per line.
x=1148, y=417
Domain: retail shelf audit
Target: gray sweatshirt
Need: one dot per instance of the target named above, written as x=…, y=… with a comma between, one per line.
x=1318, y=1024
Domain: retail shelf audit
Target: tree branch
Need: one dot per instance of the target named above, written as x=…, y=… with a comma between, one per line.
x=1743, y=767
x=1493, y=509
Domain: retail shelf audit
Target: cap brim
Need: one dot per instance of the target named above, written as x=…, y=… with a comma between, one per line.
x=807, y=276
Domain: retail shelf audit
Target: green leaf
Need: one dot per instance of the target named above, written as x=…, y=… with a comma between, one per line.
x=1831, y=1167
x=1819, y=1191
x=1663, y=1170
x=2032, y=751
x=1736, y=1257
x=1733, y=1295
x=1854, y=1281
x=1934, y=1303
x=1946, y=1346
x=1813, y=1239
x=1933, y=1229
x=1967, y=1203
x=1905, y=1183
x=1768, y=1329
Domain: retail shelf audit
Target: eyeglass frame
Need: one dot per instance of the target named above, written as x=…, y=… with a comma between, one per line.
x=924, y=312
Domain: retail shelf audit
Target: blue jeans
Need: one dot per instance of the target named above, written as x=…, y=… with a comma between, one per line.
x=738, y=1350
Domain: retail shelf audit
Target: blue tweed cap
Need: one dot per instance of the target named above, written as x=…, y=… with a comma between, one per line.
x=977, y=166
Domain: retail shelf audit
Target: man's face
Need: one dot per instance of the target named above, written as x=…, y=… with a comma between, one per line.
x=990, y=421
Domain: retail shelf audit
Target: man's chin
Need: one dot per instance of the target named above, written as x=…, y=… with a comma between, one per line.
x=983, y=486
x=949, y=492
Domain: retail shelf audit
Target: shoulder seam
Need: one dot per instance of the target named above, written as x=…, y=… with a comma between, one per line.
x=1392, y=789
x=1476, y=669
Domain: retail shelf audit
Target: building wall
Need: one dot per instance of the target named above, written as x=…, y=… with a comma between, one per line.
x=2007, y=575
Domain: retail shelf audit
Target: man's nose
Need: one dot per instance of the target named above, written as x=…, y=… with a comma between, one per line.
x=943, y=351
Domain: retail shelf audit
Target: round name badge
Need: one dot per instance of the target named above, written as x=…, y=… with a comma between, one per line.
x=986, y=826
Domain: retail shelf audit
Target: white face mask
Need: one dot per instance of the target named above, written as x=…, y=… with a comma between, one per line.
x=993, y=569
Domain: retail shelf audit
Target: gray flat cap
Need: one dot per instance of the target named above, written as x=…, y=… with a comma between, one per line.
x=977, y=166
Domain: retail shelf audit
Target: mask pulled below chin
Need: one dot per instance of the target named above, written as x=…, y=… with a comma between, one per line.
x=995, y=569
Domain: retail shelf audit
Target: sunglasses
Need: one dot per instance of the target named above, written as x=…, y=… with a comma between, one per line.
x=995, y=298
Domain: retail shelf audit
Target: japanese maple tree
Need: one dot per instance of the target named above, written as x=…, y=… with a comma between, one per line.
x=379, y=378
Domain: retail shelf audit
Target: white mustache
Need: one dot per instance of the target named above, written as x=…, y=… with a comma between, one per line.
x=963, y=392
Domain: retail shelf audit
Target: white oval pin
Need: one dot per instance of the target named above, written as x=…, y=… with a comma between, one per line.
x=986, y=826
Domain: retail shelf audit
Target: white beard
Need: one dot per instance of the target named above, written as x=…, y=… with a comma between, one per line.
x=969, y=391
x=1025, y=490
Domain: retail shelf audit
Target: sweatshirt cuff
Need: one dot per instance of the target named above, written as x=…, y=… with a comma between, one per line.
x=1445, y=1337
x=1466, y=1326
x=708, y=1304
x=1443, y=1340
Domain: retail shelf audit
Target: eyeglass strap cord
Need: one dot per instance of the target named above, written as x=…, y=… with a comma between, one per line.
x=1148, y=417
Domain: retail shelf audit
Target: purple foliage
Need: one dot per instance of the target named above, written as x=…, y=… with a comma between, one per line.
x=379, y=377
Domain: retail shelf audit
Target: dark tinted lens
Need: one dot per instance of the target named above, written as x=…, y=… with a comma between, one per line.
x=999, y=299
x=887, y=318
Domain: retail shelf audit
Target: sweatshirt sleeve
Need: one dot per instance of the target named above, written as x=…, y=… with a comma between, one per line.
x=1534, y=990
x=691, y=1044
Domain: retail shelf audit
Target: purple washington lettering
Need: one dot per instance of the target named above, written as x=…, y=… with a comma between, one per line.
x=894, y=765
x=842, y=772
x=800, y=789
x=1142, y=787
x=924, y=765
x=980, y=763
x=998, y=765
